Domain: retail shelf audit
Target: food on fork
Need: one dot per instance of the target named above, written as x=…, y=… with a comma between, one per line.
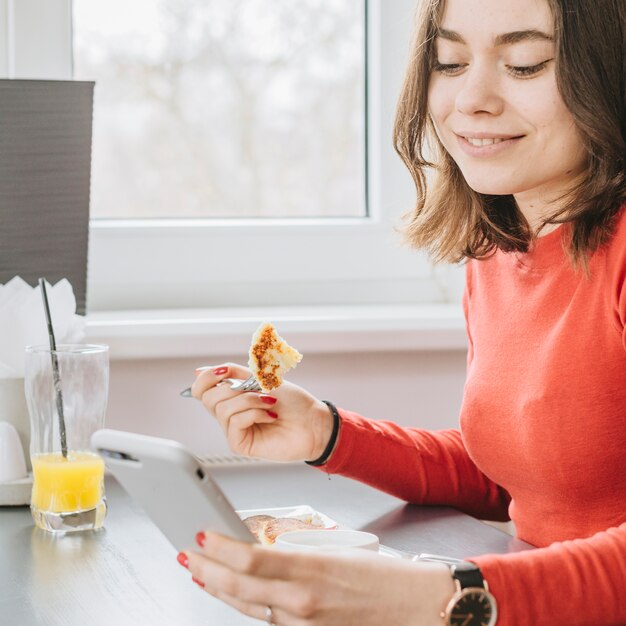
x=271, y=357
x=267, y=528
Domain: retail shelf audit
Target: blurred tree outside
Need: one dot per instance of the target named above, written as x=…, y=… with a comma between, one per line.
x=225, y=108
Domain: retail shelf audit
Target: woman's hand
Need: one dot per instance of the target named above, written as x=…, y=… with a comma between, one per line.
x=309, y=589
x=287, y=425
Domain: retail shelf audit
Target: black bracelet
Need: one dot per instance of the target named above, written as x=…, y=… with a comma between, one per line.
x=333, y=436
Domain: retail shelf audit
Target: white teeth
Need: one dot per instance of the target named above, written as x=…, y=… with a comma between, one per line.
x=482, y=142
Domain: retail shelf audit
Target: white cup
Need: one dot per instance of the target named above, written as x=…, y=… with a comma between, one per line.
x=331, y=540
x=12, y=459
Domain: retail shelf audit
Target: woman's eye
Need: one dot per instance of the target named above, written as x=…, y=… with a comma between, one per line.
x=524, y=71
x=450, y=69
x=518, y=71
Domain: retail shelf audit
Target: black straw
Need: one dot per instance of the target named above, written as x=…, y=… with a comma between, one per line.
x=55, y=367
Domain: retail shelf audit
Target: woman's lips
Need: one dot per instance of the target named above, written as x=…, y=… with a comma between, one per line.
x=486, y=145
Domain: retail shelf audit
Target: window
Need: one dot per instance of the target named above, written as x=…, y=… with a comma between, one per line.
x=214, y=108
x=353, y=258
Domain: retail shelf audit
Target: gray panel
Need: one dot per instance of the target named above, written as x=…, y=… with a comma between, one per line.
x=45, y=169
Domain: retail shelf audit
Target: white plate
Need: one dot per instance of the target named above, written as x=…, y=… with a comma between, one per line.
x=305, y=513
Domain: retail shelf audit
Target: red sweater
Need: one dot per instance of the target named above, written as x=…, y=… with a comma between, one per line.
x=543, y=431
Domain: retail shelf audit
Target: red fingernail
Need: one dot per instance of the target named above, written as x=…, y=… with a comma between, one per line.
x=220, y=370
x=200, y=539
x=271, y=414
x=198, y=582
x=182, y=559
x=268, y=399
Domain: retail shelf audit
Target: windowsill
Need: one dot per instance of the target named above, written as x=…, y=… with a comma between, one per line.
x=313, y=330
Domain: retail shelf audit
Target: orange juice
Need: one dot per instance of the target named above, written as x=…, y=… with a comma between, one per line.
x=65, y=485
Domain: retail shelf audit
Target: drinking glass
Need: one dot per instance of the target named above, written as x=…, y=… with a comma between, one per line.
x=68, y=477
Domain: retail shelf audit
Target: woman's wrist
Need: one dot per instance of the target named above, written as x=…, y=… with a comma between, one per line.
x=439, y=587
x=326, y=434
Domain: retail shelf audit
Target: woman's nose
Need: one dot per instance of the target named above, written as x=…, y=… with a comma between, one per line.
x=479, y=93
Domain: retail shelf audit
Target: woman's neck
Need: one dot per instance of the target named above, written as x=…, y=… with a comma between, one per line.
x=538, y=205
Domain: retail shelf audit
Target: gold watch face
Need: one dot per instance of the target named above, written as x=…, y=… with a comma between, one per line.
x=472, y=607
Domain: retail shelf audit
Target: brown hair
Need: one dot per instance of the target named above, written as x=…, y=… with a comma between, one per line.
x=454, y=222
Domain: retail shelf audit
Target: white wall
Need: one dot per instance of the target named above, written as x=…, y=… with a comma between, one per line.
x=412, y=388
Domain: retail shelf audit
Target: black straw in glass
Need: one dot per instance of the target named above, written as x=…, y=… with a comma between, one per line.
x=55, y=367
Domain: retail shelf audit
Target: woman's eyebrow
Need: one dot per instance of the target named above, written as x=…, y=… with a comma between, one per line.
x=505, y=39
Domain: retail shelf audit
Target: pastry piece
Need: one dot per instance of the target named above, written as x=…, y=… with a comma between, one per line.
x=271, y=357
x=267, y=527
x=256, y=524
x=279, y=525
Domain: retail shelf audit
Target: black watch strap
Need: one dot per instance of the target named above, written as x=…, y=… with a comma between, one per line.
x=467, y=574
x=472, y=595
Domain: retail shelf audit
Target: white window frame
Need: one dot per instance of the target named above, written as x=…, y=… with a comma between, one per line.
x=204, y=264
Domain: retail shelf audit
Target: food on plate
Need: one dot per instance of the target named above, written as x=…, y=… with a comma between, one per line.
x=256, y=523
x=279, y=525
x=271, y=357
x=267, y=528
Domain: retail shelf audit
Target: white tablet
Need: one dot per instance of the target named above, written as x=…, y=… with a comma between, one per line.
x=171, y=484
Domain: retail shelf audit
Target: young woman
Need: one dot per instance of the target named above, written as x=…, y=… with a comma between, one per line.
x=522, y=104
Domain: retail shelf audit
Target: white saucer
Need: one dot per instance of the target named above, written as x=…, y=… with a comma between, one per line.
x=16, y=492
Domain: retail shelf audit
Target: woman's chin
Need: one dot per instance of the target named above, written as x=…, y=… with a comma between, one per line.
x=491, y=187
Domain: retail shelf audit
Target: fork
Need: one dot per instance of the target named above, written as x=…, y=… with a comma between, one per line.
x=236, y=384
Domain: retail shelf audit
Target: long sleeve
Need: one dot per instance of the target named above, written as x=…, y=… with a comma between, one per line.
x=542, y=433
x=419, y=466
x=550, y=427
x=579, y=582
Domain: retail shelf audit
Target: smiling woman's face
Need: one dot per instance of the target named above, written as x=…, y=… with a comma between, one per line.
x=495, y=104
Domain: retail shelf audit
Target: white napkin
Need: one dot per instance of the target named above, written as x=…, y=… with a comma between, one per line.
x=23, y=321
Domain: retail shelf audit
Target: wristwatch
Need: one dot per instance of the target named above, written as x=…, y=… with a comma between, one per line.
x=471, y=604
